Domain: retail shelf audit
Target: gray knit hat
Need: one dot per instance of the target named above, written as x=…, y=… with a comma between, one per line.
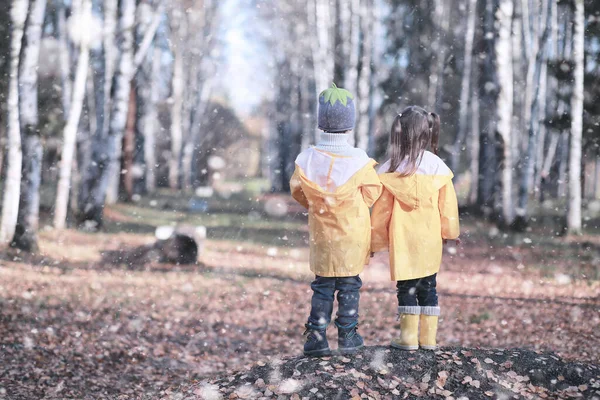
x=336, y=110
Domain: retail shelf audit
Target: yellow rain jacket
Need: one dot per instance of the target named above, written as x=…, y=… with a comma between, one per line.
x=412, y=217
x=337, y=191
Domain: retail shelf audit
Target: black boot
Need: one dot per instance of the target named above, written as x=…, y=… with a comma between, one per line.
x=316, y=344
x=349, y=340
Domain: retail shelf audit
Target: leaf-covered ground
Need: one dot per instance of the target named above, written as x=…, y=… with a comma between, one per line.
x=77, y=322
x=385, y=373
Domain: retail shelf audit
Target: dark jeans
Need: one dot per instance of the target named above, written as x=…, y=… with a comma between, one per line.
x=418, y=292
x=348, y=297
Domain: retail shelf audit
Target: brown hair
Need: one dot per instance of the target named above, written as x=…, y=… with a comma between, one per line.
x=413, y=130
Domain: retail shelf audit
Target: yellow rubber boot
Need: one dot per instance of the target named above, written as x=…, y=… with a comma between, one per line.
x=429, y=323
x=409, y=328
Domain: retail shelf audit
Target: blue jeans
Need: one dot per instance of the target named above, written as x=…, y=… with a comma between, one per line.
x=418, y=292
x=348, y=297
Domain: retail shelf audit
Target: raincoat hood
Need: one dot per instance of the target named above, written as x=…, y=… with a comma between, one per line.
x=337, y=190
x=412, y=190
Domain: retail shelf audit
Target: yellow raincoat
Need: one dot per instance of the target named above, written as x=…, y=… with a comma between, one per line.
x=412, y=217
x=337, y=191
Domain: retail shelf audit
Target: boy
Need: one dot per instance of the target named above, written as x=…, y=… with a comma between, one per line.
x=337, y=183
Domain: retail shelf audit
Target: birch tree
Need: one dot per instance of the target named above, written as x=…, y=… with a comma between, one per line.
x=106, y=147
x=465, y=87
x=574, y=209
x=536, y=100
x=488, y=85
x=151, y=123
x=504, y=108
x=12, y=182
x=25, y=237
x=70, y=131
x=436, y=76
x=179, y=30
x=367, y=12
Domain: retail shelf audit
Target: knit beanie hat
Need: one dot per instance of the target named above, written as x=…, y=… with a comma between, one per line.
x=336, y=110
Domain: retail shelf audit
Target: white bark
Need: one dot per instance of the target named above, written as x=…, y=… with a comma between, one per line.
x=28, y=77
x=12, y=182
x=151, y=122
x=65, y=61
x=110, y=55
x=551, y=152
x=465, y=88
x=147, y=39
x=351, y=76
x=70, y=132
x=474, y=145
x=535, y=102
x=438, y=48
x=120, y=105
x=504, y=110
x=177, y=97
x=25, y=237
x=574, y=213
x=319, y=15
x=550, y=84
x=362, y=128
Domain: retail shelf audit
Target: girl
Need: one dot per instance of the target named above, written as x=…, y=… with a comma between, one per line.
x=416, y=212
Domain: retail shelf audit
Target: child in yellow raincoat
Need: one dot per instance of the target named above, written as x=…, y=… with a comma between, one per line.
x=415, y=214
x=337, y=183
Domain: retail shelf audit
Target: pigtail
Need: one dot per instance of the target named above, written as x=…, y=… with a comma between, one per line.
x=395, y=144
x=434, y=126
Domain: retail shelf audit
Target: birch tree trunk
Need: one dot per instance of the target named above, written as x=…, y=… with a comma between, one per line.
x=319, y=18
x=574, y=209
x=12, y=182
x=110, y=58
x=487, y=177
x=474, y=148
x=351, y=76
x=550, y=102
x=106, y=147
x=465, y=87
x=129, y=148
x=151, y=123
x=25, y=237
x=70, y=131
x=438, y=48
x=177, y=97
x=504, y=109
x=65, y=60
x=362, y=124
x=342, y=21
x=194, y=74
x=536, y=65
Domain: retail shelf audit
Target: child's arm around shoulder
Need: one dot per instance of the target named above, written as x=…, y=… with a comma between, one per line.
x=380, y=221
x=371, y=186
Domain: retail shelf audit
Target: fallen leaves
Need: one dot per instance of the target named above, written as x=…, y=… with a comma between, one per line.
x=77, y=327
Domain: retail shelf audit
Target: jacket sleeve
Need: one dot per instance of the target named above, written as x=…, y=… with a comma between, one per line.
x=371, y=187
x=448, y=206
x=296, y=189
x=380, y=221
